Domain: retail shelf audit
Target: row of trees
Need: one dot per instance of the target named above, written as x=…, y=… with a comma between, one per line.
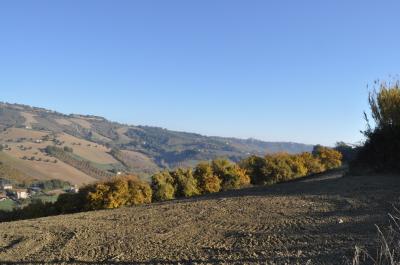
x=206, y=177
x=65, y=155
x=283, y=167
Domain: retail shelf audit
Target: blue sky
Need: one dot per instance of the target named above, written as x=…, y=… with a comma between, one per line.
x=274, y=70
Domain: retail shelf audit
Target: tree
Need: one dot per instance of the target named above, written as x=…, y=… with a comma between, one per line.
x=229, y=173
x=385, y=105
x=348, y=152
x=381, y=150
x=255, y=167
x=117, y=192
x=206, y=180
x=186, y=184
x=163, y=186
x=68, y=149
x=277, y=168
x=139, y=192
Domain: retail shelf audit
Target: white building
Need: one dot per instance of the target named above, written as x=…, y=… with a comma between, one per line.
x=21, y=194
x=74, y=189
x=6, y=187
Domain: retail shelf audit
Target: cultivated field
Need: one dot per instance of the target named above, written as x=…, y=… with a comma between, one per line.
x=26, y=154
x=318, y=219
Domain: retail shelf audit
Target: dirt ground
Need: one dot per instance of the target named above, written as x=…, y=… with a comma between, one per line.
x=315, y=221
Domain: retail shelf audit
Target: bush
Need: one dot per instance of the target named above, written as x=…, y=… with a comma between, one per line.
x=255, y=166
x=244, y=178
x=68, y=149
x=348, y=152
x=329, y=158
x=311, y=163
x=277, y=168
x=206, y=180
x=280, y=167
x=162, y=184
x=297, y=165
x=231, y=176
x=117, y=192
x=71, y=202
x=139, y=192
x=186, y=184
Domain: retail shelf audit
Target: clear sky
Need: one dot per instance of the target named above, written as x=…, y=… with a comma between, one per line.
x=274, y=70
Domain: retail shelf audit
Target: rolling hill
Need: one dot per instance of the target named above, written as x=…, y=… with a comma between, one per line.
x=100, y=148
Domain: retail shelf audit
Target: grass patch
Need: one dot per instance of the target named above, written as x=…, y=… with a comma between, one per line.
x=8, y=205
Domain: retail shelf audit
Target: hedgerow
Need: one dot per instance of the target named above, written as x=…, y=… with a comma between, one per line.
x=206, y=177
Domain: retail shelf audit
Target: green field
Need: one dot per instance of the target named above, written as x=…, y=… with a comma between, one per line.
x=45, y=198
x=8, y=205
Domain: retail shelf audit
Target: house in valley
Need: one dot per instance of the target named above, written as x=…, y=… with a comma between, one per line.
x=21, y=194
x=6, y=186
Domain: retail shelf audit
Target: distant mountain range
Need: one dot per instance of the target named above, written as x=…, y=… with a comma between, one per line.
x=119, y=147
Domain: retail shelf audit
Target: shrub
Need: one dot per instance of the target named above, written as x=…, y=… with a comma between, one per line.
x=139, y=192
x=117, y=192
x=311, y=163
x=68, y=149
x=255, y=166
x=277, y=168
x=231, y=175
x=71, y=202
x=244, y=178
x=186, y=184
x=348, y=152
x=329, y=158
x=297, y=165
x=206, y=180
x=162, y=184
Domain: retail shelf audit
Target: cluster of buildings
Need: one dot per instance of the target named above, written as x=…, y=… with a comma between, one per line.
x=7, y=191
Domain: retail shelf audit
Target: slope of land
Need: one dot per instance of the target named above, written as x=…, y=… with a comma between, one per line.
x=319, y=219
x=25, y=153
x=141, y=150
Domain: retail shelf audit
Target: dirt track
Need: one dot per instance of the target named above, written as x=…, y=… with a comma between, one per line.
x=287, y=223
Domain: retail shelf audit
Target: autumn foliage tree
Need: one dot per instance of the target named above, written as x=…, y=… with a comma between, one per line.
x=281, y=167
x=207, y=181
x=186, y=183
x=163, y=186
x=117, y=192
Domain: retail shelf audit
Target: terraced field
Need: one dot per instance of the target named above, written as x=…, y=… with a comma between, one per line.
x=318, y=220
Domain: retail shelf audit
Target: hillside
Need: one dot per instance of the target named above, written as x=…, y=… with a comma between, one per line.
x=318, y=219
x=102, y=147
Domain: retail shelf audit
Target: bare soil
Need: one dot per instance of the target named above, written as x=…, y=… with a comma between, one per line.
x=47, y=170
x=317, y=220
